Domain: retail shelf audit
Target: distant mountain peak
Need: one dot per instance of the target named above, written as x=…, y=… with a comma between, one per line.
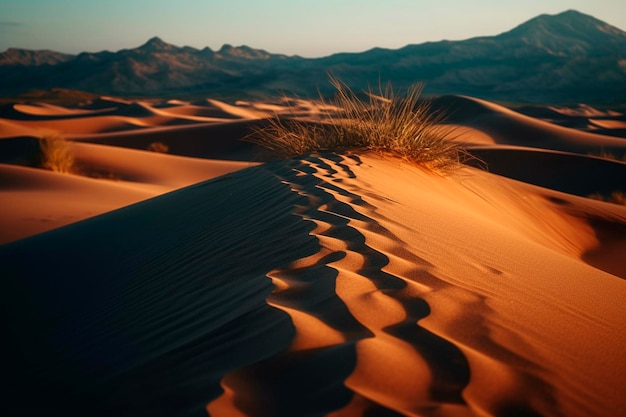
x=572, y=13
x=156, y=44
x=574, y=17
x=568, y=32
x=243, y=51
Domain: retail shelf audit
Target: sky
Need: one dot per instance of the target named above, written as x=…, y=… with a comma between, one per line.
x=309, y=28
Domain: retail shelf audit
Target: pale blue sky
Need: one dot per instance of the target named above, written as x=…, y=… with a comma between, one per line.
x=295, y=27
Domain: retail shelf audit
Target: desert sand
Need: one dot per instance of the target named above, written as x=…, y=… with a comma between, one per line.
x=219, y=279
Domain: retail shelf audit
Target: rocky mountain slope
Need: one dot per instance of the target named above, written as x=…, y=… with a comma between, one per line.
x=568, y=57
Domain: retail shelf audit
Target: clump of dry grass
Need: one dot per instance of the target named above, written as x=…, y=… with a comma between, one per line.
x=608, y=155
x=158, y=147
x=382, y=121
x=56, y=154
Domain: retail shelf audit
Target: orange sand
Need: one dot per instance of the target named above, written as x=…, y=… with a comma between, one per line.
x=339, y=285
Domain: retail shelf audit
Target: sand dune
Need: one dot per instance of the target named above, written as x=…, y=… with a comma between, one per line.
x=203, y=140
x=98, y=124
x=38, y=200
x=131, y=127
x=583, y=110
x=107, y=178
x=507, y=127
x=388, y=311
x=331, y=284
x=201, y=112
x=609, y=124
x=35, y=200
x=138, y=166
x=563, y=171
x=52, y=111
x=11, y=129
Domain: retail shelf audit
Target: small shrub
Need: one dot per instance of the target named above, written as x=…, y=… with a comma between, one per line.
x=608, y=155
x=159, y=147
x=56, y=154
x=381, y=121
x=616, y=197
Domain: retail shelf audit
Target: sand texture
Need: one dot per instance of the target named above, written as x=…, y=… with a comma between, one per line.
x=217, y=279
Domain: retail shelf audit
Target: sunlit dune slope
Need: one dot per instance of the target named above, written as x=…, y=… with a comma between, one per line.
x=36, y=200
x=507, y=127
x=325, y=285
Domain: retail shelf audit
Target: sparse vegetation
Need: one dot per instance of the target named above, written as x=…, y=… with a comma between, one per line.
x=616, y=197
x=382, y=121
x=159, y=147
x=608, y=155
x=56, y=154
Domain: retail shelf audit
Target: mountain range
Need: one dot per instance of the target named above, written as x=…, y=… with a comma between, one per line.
x=567, y=57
